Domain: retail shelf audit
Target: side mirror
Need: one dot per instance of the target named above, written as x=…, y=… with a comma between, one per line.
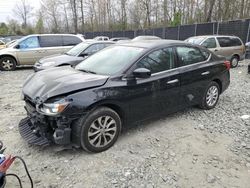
x=84, y=54
x=17, y=46
x=142, y=73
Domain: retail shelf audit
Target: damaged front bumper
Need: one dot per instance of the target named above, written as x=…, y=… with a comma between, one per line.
x=42, y=130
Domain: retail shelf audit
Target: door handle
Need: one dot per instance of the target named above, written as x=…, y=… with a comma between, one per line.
x=205, y=73
x=216, y=50
x=173, y=81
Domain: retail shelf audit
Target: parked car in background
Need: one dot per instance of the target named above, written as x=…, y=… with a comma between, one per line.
x=231, y=47
x=88, y=105
x=101, y=38
x=146, y=37
x=72, y=57
x=29, y=49
x=2, y=44
x=119, y=39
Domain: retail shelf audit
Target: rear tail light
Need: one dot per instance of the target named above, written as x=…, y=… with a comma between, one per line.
x=227, y=64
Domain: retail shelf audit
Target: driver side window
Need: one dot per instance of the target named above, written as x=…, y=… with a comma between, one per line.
x=158, y=61
x=31, y=42
x=209, y=43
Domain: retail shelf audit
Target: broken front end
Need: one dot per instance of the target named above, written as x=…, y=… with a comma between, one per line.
x=45, y=123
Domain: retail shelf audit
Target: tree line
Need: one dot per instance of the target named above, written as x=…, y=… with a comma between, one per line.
x=79, y=16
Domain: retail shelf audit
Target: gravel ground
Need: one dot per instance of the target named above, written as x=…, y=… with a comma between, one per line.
x=192, y=148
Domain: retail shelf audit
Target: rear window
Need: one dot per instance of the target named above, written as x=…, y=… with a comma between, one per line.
x=229, y=41
x=71, y=40
x=50, y=41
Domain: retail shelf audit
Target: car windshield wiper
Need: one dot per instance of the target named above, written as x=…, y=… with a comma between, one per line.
x=88, y=71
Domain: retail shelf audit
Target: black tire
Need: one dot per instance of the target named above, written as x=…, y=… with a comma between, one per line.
x=11, y=63
x=81, y=129
x=234, y=61
x=205, y=104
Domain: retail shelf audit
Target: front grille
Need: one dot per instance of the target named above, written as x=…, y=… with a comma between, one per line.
x=26, y=129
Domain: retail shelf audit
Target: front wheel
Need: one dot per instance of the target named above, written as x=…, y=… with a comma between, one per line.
x=7, y=63
x=98, y=131
x=211, y=96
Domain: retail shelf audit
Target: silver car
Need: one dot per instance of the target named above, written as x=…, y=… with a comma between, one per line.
x=29, y=49
x=231, y=47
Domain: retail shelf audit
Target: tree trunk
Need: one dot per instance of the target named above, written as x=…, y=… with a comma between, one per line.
x=209, y=15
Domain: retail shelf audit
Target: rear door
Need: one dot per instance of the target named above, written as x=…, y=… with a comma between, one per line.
x=160, y=93
x=50, y=45
x=195, y=73
x=211, y=44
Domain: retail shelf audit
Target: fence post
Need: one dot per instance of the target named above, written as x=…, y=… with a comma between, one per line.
x=213, y=28
x=218, y=26
x=195, y=29
x=164, y=32
x=248, y=31
x=178, y=32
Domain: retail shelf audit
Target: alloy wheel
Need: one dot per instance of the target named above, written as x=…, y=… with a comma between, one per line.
x=7, y=64
x=102, y=131
x=212, y=96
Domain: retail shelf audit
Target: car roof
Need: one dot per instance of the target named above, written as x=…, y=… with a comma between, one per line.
x=213, y=36
x=152, y=43
x=98, y=41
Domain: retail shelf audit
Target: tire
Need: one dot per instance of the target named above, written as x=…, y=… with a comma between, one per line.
x=7, y=63
x=85, y=130
x=213, y=93
x=234, y=61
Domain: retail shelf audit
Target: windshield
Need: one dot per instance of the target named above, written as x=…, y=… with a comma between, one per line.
x=195, y=40
x=110, y=61
x=77, y=49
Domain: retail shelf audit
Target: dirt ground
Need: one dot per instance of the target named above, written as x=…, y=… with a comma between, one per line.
x=192, y=148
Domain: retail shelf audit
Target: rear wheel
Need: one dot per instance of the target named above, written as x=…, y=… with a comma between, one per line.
x=234, y=61
x=98, y=131
x=211, y=96
x=7, y=63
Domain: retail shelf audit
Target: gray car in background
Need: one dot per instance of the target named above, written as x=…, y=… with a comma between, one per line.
x=231, y=47
x=72, y=57
x=29, y=49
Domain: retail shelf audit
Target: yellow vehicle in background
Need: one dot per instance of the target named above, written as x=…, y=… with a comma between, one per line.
x=2, y=44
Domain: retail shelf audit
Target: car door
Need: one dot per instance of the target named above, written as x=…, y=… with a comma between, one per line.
x=28, y=50
x=50, y=45
x=159, y=93
x=195, y=73
x=211, y=44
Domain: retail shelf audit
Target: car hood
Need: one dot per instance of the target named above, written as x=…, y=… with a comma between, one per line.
x=60, y=59
x=58, y=81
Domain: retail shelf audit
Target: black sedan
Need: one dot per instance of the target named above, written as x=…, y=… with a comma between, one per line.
x=74, y=56
x=87, y=106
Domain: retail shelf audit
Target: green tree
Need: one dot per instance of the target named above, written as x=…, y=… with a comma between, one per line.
x=39, y=26
x=3, y=29
x=177, y=19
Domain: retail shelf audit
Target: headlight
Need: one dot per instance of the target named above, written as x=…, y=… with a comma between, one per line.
x=47, y=64
x=54, y=108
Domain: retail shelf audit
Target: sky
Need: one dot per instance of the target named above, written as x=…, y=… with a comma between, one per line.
x=7, y=6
